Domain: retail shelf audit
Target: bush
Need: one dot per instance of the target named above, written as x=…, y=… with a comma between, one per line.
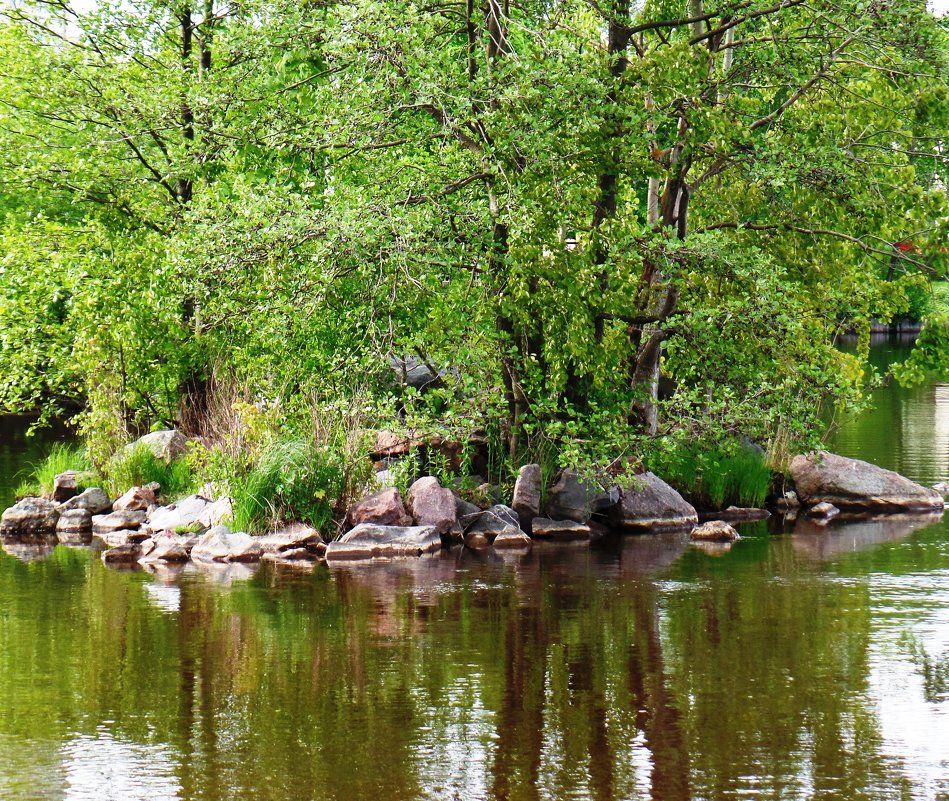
x=62, y=457
x=137, y=466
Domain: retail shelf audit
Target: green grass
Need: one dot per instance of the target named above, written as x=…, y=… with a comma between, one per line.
x=62, y=457
x=138, y=466
x=941, y=297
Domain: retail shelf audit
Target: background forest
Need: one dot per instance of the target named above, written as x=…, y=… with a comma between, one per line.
x=243, y=218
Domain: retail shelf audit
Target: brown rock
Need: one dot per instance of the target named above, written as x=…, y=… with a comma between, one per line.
x=137, y=499
x=116, y=521
x=385, y=508
x=431, y=505
x=527, y=492
x=30, y=517
x=561, y=529
x=65, y=486
x=714, y=531
x=74, y=527
x=368, y=541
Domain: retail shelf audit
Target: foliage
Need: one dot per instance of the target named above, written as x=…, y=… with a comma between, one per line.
x=930, y=358
x=136, y=466
x=61, y=457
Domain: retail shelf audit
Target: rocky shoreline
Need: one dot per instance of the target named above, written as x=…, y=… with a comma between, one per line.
x=136, y=529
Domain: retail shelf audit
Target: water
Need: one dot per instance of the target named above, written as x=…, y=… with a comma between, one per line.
x=801, y=664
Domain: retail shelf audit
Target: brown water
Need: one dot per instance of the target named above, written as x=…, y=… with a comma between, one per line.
x=798, y=664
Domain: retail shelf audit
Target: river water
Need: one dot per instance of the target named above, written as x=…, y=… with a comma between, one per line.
x=800, y=664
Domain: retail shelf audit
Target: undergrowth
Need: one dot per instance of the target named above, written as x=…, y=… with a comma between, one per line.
x=137, y=465
x=62, y=457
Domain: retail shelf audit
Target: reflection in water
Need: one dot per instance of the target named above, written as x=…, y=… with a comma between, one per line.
x=822, y=539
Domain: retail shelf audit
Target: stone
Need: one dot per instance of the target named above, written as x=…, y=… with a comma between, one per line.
x=464, y=508
x=561, y=529
x=126, y=553
x=491, y=522
x=571, y=498
x=125, y=536
x=602, y=502
x=823, y=509
x=30, y=517
x=137, y=499
x=787, y=502
x=743, y=513
x=65, y=486
x=166, y=445
x=527, y=492
x=385, y=508
x=477, y=540
x=166, y=548
x=388, y=444
x=293, y=538
x=512, y=539
x=116, y=521
x=431, y=505
x=185, y=513
x=220, y=544
x=714, y=531
x=216, y=513
x=942, y=488
x=292, y=556
x=74, y=527
x=650, y=503
x=93, y=499
x=851, y=484
x=367, y=541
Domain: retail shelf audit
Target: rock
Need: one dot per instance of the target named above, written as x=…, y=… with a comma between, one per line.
x=166, y=548
x=824, y=509
x=166, y=445
x=74, y=527
x=477, y=540
x=93, y=499
x=561, y=529
x=412, y=372
x=463, y=508
x=30, y=517
x=185, y=513
x=570, y=498
x=852, y=484
x=491, y=522
x=293, y=538
x=367, y=541
x=65, y=486
x=942, y=488
x=388, y=444
x=787, y=502
x=123, y=554
x=512, y=539
x=137, y=499
x=221, y=545
x=431, y=505
x=385, y=508
x=115, y=521
x=743, y=513
x=125, y=536
x=714, y=531
x=527, y=491
x=602, y=502
x=650, y=503
x=216, y=513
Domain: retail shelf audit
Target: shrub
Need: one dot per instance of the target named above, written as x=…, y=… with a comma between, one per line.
x=136, y=466
x=62, y=457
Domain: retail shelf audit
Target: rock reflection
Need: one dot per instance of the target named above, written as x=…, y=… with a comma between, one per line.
x=825, y=540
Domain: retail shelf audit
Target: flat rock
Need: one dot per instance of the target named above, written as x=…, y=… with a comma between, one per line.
x=851, y=484
x=166, y=445
x=367, y=541
x=292, y=556
x=824, y=510
x=561, y=529
x=125, y=536
x=181, y=514
x=93, y=499
x=527, y=492
x=122, y=554
x=650, y=503
x=293, y=538
x=74, y=527
x=788, y=502
x=220, y=544
x=166, y=548
x=137, y=499
x=385, y=508
x=431, y=505
x=714, y=531
x=65, y=486
x=116, y=521
x=741, y=513
x=512, y=539
x=942, y=488
x=30, y=517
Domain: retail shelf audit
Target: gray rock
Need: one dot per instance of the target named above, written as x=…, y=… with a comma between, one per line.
x=853, y=484
x=167, y=445
x=942, y=488
x=463, y=508
x=116, y=521
x=604, y=501
x=431, y=505
x=65, y=486
x=216, y=513
x=181, y=514
x=368, y=541
x=30, y=517
x=385, y=508
x=127, y=553
x=493, y=521
x=513, y=540
x=93, y=499
x=221, y=545
x=571, y=498
x=714, y=531
x=137, y=499
x=166, y=548
x=293, y=538
x=411, y=371
x=74, y=527
x=561, y=529
x=739, y=513
x=125, y=536
x=527, y=491
x=478, y=540
x=650, y=503
x=824, y=509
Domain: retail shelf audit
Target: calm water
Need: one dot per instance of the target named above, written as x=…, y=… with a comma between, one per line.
x=801, y=664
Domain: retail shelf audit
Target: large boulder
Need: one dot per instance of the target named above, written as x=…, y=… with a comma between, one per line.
x=220, y=544
x=382, y=509
x=30, y=517
x=93, y=499
x=74, y=527
x=137, y=499
x=527, y=492
x=650, y=503
x=855, y=485
x=570, y=498
x=166, y=445
x=65, y=486
x=368, y=541
x=431, y=505
x=492, y=521
x=117, y=521
x=185, y=513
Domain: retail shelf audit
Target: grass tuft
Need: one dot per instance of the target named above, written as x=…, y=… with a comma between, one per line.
x=62, y=457
x=137, y=466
